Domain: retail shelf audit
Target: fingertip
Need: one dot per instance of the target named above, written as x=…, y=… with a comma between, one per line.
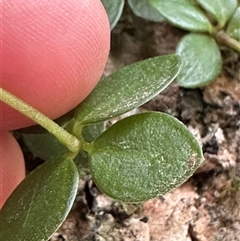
x=54, y=62
x=12, y=168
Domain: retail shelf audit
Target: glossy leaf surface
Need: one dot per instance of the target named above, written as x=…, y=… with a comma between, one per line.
x=201, y=60
x=145, y=10
x=128, y=88
x=143, y=156
x=114, y=10
x=40, y=203
x=221, y=10
x=184, y=14
x=233, y=28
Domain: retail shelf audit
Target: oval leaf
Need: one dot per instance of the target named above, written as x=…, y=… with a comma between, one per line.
x=143, y=156
x=40, y=203
x=46, y=146
x=201, y=60
x=233, y=28
x=114, y=10
x=91, y=132
x=128, y=88
x=221, y=10
x=184, y=14
x=145, y=10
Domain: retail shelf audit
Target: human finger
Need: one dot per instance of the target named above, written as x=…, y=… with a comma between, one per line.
x=53, y=54
x=12, y=170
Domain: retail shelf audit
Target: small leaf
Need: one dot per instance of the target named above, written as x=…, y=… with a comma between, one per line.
x=128, y=88
x=91, y=132
x=143, y=156
x=145, y=10
x=201, y=60
x=233, y=28
x=114, y=10
x=184, y=14
x=46, y=146
x=40, y=203
x=221, y=10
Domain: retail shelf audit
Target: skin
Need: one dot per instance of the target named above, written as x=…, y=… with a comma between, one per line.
x=53, y=54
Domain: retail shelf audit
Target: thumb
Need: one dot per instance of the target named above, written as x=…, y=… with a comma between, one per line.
x=53, y=54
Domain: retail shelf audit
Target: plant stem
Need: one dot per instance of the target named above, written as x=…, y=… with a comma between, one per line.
x=227, y=40
x=70, y=141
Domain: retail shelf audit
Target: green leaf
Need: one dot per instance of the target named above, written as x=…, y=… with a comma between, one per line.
x=201, y=60
x=221, y=10
x=40, y=203
x=128, y=88
x=114, y=10
x=143, y=156
x=46, y=146
x=91, y=132
x=184, y=14
x=145, y=10
x=233, y=28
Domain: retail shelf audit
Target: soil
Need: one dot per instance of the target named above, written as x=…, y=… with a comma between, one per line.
x=207, y=206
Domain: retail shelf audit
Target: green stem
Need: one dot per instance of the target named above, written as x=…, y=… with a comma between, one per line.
x=70, y=141
x=227, y=40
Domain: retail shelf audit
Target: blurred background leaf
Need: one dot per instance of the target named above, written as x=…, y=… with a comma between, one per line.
x=201, y=60
x=114, y=10
x=145, y=10
x=221, y=10
x=233, y=28
x=184, y=14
